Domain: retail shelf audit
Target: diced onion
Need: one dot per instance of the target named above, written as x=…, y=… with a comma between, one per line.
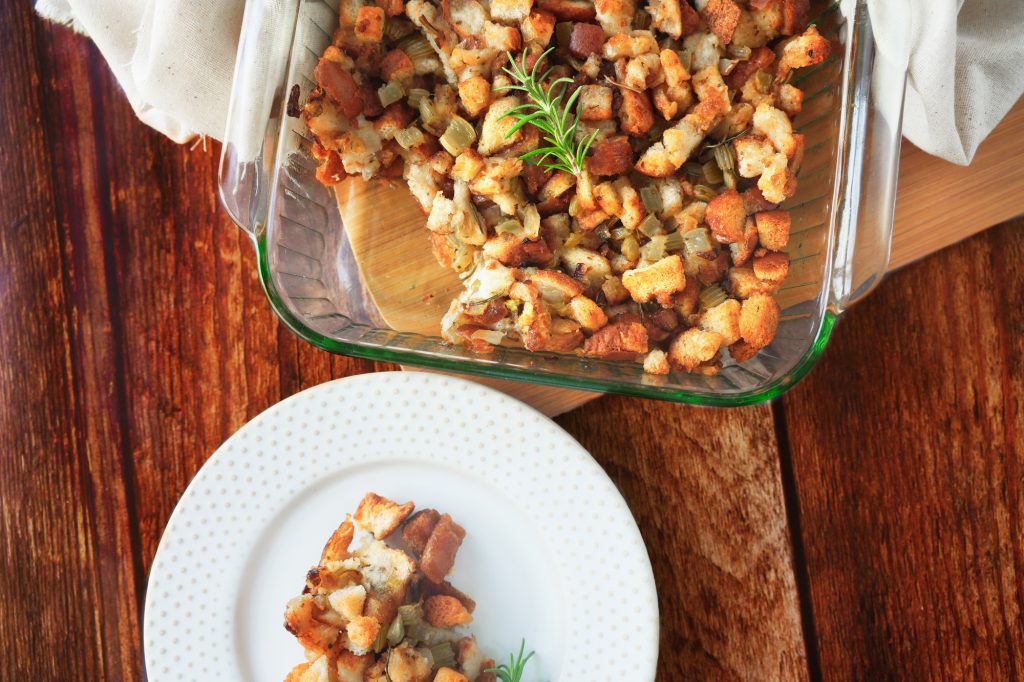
x=510, y=226
x=490, y=336
x=409, y=137
x=417, y=47
x=417, y=95
x=427, y=112
x=389, y=93
x=651, y=198
x=724, y=157
x=712, y=173
x=739, y=51
x=704, y=193
x=697, y=241
x=458, y=136
x=531, y=221
x=650, y=226
x=619, y=233
x=654, y=250
x=630, y=248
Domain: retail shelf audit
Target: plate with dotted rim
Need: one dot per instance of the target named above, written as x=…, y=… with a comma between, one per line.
x=552, y=553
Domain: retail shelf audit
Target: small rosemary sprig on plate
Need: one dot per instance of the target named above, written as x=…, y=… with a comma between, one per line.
x=513, y=670
x=546, y=111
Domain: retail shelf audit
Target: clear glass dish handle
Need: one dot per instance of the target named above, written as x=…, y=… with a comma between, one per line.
x=867, y=208
x=264, y=46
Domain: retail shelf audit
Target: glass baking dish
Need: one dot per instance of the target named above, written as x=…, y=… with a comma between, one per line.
x=839, y=247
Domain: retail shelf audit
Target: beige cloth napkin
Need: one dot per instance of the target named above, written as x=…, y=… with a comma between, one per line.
x=175, y=60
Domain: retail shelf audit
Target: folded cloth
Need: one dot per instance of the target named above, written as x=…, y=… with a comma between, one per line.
x=175, y=59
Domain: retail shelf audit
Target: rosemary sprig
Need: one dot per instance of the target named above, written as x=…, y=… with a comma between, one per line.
x=513, y=670
x=546, y=111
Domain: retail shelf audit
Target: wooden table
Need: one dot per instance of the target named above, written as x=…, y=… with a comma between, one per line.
x=869, y=525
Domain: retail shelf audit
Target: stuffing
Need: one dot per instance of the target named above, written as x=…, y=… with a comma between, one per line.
x=585, y=40
x=610, y=157
x=439, y=554
x=752, y=153
x=587, y=314
x=742, y=283
x=362, y=632
x=771, y=267
x=337, y=546
x=417, y=530
x=569, y=10
x=316, y=670
x=443, y=611
x=369, y=25
x=566, y=335
x=704, y=49
x=475, y=94
x=348, y=601
x=657, y=281
x=667, y=16
x=776, y=182
x=614, y=292
x=496, y=126
x=724, y=320
x=470, y=658
x=742, y=250
x=773, y=229
x=449, y=675
x=629, y=45
x=773, y=124
x=615, y=16
x=397, y=66
x=538, y=27
x=515, y=251
x=790, y=99
x=406, y=664
x=806, y=50
x=510, y=11
x=759, y=318
x=636, y=116
x=656, y=362
x=595, y=103
x=617, y=341
x=726, y=215
x=693, y=348
x=555, y=287
x=722, y=17
x=586, y=265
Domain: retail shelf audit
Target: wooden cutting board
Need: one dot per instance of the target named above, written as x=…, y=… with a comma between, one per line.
x=938, y=204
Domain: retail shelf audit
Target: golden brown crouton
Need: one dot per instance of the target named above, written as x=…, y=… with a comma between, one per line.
x=445, y=588
x=773, y=229
x=302, y=618
x=449, y=675
x=724, y=320
x=777, y=183
x=555, y=287
x=396, y=116
x=496, y=126
x=655, y=163
x=794, y=15
x=351, y=667
x=791, y=99
x=317, y=670
x=566, y=336
x=615, y=16
x=610, y=157
x=362, y=631
x=417, y=530
x=667, y=17
x=742, y=283
x=510, y=11
x=396, y=65
x=369, y=25
x=538, y=28
x=636, y=116
x=726, y=216
x=660, y=280
x=752, y=153
x=741, y=351
x=337, y=546
x=439, y=553
x=742, y=250
x=569, y=10
x=406, y=664
x=618, y=341
x=468, y=165
x=587, y=313
x=656, y=362
x=380, y=516
x=392, y=8
x=348, y=601
x=595, y=103
x=471, y=659
x=517, y=252
x=759, y=318
x=693, y=348
x=776, y=126
x=340, y=86
x=754, y=200
x=586, y=265
x=475, y=93
x=445, y=612
x=629, y=45
x=772, y=267
x=614, y=292
x=722, y=16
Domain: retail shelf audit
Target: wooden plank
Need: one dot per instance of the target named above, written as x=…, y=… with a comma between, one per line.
x=940, y=203
x=705, y=488
x=906, y=446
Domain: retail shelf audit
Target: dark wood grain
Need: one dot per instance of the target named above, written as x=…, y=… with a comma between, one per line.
x=867, y=527
x=907, y=445
x=706, y=490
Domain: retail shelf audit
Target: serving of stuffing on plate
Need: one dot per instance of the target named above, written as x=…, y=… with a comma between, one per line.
x=605, y=176
x=385, y=611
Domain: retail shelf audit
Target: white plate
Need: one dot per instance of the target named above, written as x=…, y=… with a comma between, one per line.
x=551, y=553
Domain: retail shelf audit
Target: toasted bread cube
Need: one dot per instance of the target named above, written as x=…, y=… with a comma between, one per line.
x=656, y=362
x=618, y=341
x=676, y=75
x=555, y=287
x=449, y=675
x=614, y=292
x=348, y=601
x=742, y=250
x=777, y=183
x=655, y=163
x=496, y=125
x=510, y=11
x=369, y=25
x=569, y=10
x=754, y=200
x=724, y=320
x=538, y=28
x=302, y=618
x=395, y=117
x=595, y=103
x=741, y=351
x=337, y=545
x=439, y=553
x=560, y=183
x=615, y=16
x=759, y=318
x=445, y=612
x=406, y=664
x=752, y=153
x=504, y=38
x=693, y=348
x=636, y=116
x=396, y=65
x=417, y=530
x=791, y=99
x=317, y=670
x=475, y=93
x=726, y=215
x=471, y=659
x=657, y=281
x=468, y=165
x=807, y=50
x=743, y=283
x=705, y=50
x=392, y=8
x=776, y=126
x=613, y=156
x=587, y=313
x=380, y=516
x=773, y=229
x=794, y=15
x=667, y=17
x=772, y=267
x=722, y=17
